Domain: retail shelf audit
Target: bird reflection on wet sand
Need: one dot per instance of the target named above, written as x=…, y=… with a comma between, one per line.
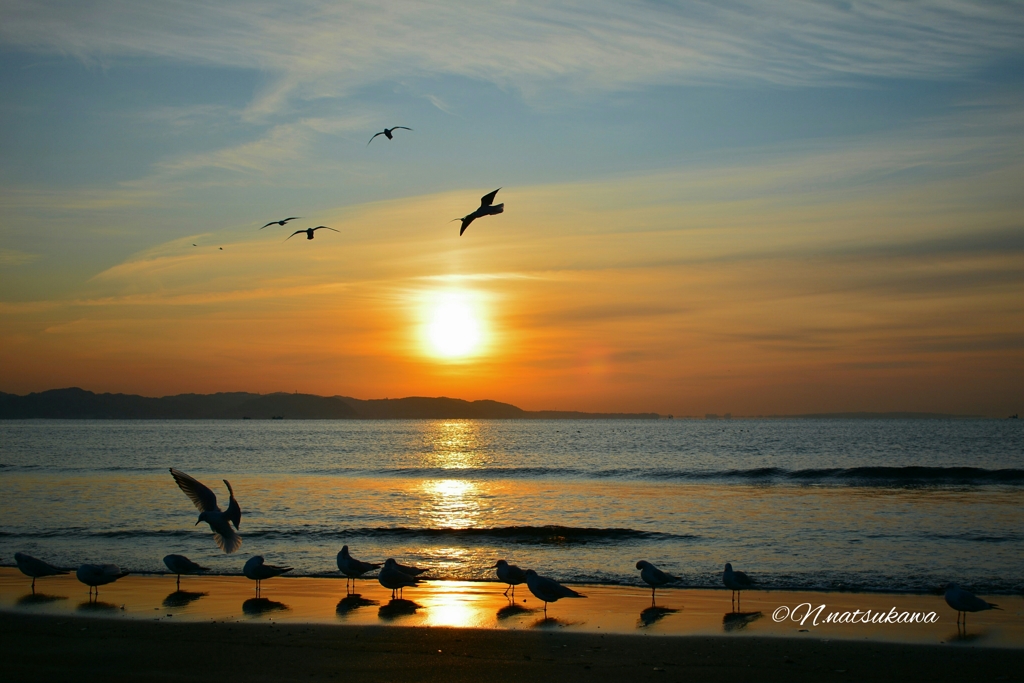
x=399, y=607
x=182, y=598
x=257, y=606
x=353, y=601
x=38, y=599
x=652, y=615
x=512, y=610
x=96, y=606
x=551, y=622
x=737, y=621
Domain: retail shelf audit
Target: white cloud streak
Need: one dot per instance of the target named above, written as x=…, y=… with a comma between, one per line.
x=318, y=48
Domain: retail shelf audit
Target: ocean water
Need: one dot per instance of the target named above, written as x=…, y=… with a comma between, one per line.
x=886, y=505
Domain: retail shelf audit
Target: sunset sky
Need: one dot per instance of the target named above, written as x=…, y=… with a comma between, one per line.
x=759, y=208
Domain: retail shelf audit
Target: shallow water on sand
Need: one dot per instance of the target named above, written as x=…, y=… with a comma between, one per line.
x=803, y=504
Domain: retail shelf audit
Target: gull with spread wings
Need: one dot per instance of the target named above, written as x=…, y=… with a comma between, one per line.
x=280, y=222
x=387, y=133
x=485, y=209
x=206, y=501
x=309, y=232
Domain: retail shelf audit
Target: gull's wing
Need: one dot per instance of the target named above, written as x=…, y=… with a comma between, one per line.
x=371, y=139
x=203, y=498
x=465, y=223
x=234, y=513
x=229, y=543
x=280, y=222
x=293, y=235
x=324, y=226
x=488, y=198
x=268, y=225
x=402, y=127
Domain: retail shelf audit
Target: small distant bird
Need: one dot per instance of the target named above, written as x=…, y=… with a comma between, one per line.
x=387, y=133
x=653, y=576
x=179, y=564
x=280, y=222
x=548, y=590
x=485, y=209
x=37, y=569
x=256, y=569
x=309, y=232
x=393, y=578
x=96, y=575
x=736, y=581
x=510, y=574
x=206, y=502
x=965, y=601
x=352, y=568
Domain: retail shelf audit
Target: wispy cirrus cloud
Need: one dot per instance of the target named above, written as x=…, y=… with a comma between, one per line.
x=318, y=48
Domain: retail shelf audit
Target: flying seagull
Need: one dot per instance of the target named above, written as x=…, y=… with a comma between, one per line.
x=280, y=222
x=37, y=569
x=485, y=210
x=309, y=232
x=387, y=133
x=179, y=564
x=206, y=502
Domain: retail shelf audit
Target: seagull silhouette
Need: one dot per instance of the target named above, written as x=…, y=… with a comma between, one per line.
x=387, y=133
x=309, y=232
x=485, y=210
x=206, y=501
x=280, y=222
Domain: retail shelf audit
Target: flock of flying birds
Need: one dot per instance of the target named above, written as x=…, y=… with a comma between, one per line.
x=486, y=208
x=392, y=575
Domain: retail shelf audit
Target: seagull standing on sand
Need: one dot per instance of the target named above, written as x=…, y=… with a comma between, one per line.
x=96, y=575
x=257, y=570
x=485, y=209
x=206, y=501
x=309, y=232
x=736, y=581
x=653, y=576
x=37, y=569
x=393, y=578
x=179, y=564
x=966, y=601
x=280, y=222
x=352, y=568
x=548, y=590
x=387, y=133
x=510, y=574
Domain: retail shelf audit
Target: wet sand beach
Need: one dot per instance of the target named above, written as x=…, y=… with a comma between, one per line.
x=306, y=628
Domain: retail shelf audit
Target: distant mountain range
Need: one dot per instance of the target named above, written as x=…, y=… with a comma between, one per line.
x=75, y=403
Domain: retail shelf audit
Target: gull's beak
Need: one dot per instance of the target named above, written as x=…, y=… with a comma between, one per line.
x=493, y=566
x=197, y=523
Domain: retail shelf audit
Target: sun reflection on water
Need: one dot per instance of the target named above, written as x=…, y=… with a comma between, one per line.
x=454, y=445
x=452, y=503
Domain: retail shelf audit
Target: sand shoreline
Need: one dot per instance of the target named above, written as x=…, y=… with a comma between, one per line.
x=51, y=647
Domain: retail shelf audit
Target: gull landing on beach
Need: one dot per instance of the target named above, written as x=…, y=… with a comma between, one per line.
x=309, y=232
x=37, y=569
x=352, y=568
x=965, y=601
x=548, y=590
x=179, y=564
x=736, y=582
x=653, y=576
x=510, y=574
x=206, y=502
x=485, y=209
x=257, y=570
x=387, y=133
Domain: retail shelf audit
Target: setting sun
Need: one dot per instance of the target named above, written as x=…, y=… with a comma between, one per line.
x=454, y=328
